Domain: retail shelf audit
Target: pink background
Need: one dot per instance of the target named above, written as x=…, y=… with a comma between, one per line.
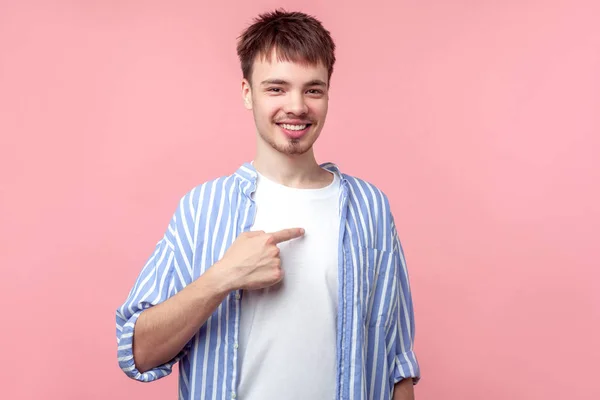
x=480, y=119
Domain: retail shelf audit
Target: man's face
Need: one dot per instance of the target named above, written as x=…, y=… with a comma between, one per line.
x=289, y=102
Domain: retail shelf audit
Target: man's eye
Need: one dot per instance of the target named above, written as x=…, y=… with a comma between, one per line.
x=315, y=91
x=274, y=90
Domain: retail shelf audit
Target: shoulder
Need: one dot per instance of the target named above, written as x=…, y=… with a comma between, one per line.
x=369, y=213
x=206, y=195
x=212, y=187
x=367, y=195
x=361, y=192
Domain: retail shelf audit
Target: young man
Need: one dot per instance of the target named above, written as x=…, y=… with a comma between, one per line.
x=286, y=279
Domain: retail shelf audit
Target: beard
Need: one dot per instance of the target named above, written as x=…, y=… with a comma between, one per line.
x=288, y=146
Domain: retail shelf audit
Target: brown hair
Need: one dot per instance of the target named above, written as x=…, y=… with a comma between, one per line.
x=296, y=37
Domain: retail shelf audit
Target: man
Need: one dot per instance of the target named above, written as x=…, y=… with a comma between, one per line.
x=286, y=279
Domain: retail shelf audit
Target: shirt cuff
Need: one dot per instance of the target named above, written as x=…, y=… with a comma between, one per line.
x=127, y=361
x=405, y=366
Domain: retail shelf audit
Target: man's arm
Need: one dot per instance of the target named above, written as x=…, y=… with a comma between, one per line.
x=403, y=364
x=404, y=390
x=154, y=325
x=252, y=262
x=162, y=331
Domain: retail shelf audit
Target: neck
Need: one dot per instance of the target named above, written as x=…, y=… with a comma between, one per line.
x=298, y=170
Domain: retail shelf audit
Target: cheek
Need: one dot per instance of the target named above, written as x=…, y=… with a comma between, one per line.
x=318, y=108
x=268, y=108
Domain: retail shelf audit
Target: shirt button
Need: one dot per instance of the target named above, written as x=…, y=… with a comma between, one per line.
x=233, y=395
x=236, y=345
x=237, y=295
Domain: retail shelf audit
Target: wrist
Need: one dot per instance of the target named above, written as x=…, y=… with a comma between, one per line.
x=220, y=278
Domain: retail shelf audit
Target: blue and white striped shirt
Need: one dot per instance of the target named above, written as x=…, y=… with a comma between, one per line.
x=375, y=321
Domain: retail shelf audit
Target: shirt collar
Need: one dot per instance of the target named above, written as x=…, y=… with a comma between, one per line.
x=248, y=175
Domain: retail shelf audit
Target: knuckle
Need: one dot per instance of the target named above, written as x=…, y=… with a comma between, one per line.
x=269, y=239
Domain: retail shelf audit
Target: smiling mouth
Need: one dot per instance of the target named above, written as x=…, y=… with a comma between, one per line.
x=294, y=131
x=294, y=127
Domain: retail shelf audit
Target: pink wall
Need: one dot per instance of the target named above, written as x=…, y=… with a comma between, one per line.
x=481, y=120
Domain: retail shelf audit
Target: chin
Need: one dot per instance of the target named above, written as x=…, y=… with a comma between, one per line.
x=292, y=148
x=287, y=145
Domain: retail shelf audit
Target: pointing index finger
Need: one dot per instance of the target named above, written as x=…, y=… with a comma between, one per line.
x=287, y=234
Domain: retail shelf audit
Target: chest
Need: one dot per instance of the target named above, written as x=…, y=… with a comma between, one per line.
x=337, y=248
x=311, y=261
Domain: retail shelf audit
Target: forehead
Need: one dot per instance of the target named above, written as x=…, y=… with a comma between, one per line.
x=293, y=71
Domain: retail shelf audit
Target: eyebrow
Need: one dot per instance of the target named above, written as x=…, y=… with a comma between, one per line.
x=274, y=82
x=314, y=82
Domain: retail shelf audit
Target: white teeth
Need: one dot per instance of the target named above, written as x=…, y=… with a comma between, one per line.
x=294, y=127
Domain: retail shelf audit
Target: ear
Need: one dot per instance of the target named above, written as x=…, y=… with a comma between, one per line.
x=247, y=94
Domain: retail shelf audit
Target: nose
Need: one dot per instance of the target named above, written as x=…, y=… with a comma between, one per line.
x=295, y=104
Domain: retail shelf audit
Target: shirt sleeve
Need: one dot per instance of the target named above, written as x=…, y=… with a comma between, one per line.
x=402, y=360
x=160, y=278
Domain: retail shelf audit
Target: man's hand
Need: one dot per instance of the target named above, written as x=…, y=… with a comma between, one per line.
x=252, y=261
x=404, y=390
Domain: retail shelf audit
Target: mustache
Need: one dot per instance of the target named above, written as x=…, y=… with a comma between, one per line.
x=295, y=120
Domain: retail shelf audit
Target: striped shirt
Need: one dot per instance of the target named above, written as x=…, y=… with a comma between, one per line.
x=375, y=321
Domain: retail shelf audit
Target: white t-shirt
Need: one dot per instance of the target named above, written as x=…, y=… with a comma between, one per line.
x=288, y=331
